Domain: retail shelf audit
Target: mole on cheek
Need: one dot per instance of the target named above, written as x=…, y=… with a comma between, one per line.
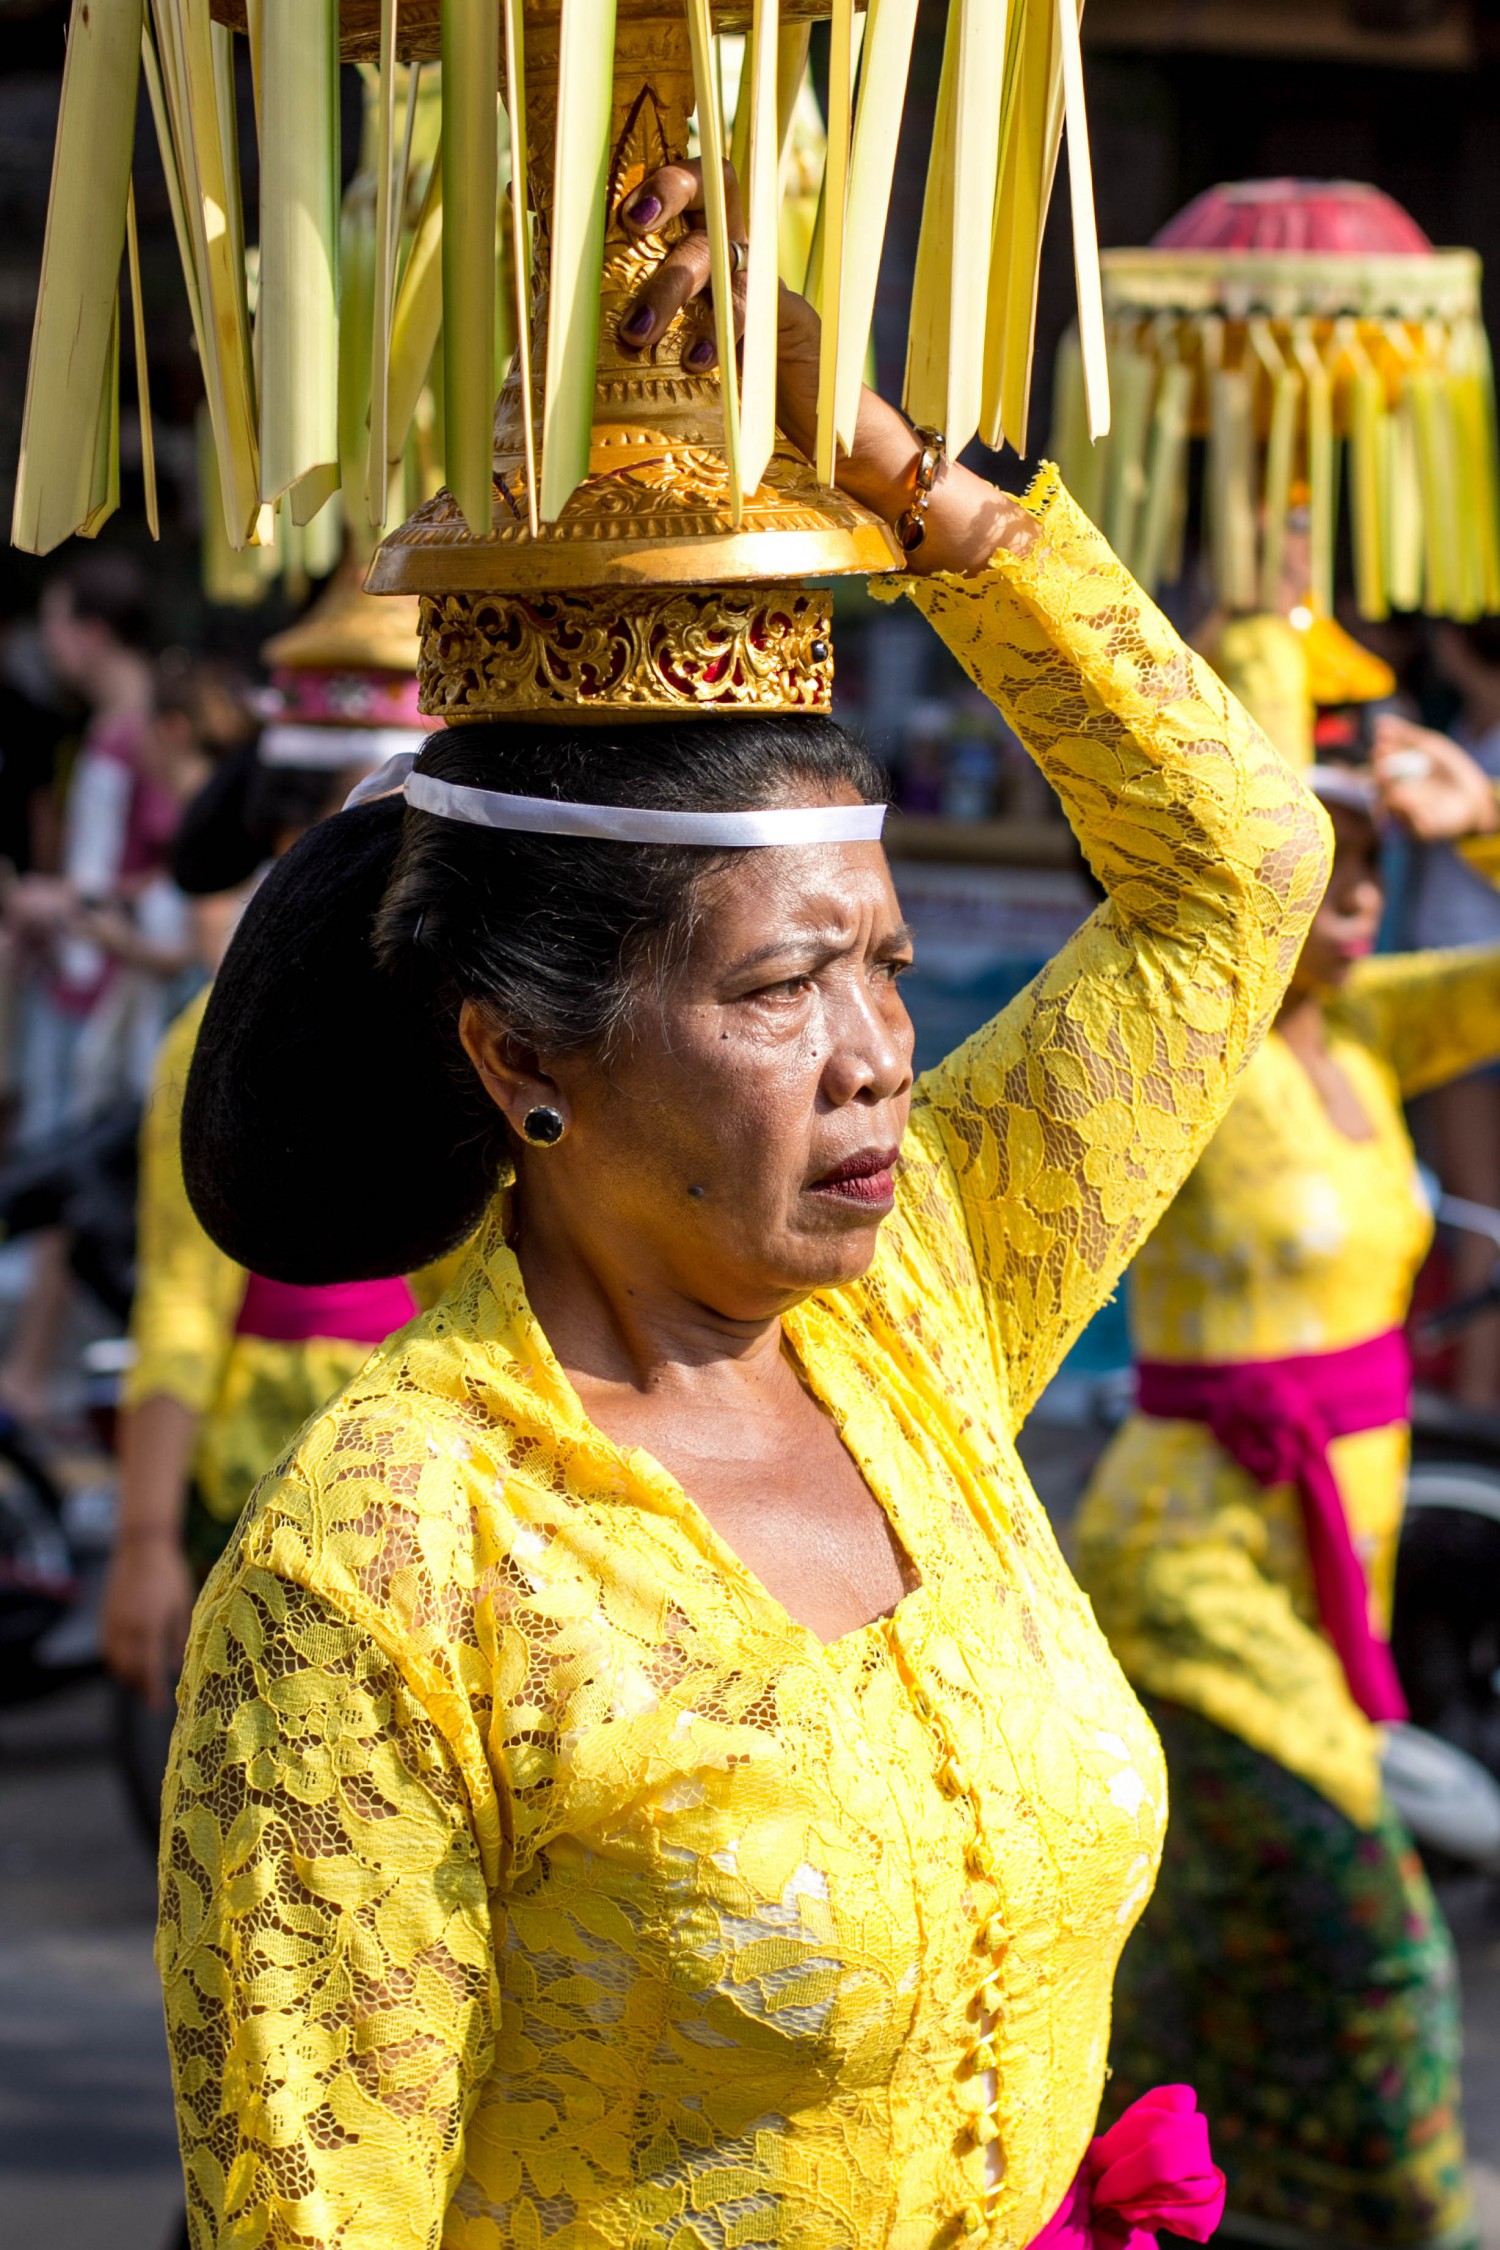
x=697, y=1193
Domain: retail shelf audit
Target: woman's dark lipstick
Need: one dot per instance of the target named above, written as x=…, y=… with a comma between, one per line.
x=866, y=1179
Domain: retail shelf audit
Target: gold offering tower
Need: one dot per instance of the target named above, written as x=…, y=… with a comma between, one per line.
x=622, y=535
x=644, y=594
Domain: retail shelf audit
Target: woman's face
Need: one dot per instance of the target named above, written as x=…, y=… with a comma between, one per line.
x=1346, y=925
x=739, y=1142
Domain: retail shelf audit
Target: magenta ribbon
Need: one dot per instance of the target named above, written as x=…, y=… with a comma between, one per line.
x=348, y=1312
x=1277, y=1418
x=1153, y=2168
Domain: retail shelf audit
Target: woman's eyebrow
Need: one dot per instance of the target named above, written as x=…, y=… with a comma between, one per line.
x=903, y=934
x=818, y=944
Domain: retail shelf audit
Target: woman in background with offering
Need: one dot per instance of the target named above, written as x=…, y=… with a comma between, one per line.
x=1239, y=1540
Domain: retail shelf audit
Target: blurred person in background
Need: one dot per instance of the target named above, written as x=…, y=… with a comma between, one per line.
x=34, y=737
x=142, y=934
x=117, y=821
x=228, y=1365
x=1238, y=1541
x=34, y=734
x=145, y=927
x=1452, y=904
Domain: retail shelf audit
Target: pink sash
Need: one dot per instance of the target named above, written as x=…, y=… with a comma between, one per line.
x=1276, y=1418
x=1153, y=2168
x=348, y=1312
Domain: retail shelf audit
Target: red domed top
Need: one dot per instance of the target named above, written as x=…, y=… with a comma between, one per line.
x=1316, y=218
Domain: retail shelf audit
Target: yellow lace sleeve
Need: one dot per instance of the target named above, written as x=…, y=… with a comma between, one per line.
x=187, y=1291
x=1430, y=1016
x=1071, y=1120
x=325, y=1946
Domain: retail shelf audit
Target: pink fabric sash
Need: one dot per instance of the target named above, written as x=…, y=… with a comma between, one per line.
x=349, y=1312
x=1153, y=2168
x=1276, y=1417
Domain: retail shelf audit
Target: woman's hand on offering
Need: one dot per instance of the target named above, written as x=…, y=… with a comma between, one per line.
x=967, y=518
x=1434, y=788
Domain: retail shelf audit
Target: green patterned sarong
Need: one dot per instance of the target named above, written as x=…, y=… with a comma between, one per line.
x=1298, y=1972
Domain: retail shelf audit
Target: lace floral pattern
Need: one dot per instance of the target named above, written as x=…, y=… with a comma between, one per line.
x=1288, y=1238
x=529, y=1875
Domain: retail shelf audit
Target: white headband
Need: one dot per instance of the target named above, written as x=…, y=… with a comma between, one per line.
x=1343, y=785
x=329, y=749
x=621, y=824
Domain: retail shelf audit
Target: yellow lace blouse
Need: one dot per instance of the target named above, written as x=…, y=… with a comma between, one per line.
x=252, y=1394
x=1288, y=1238
x=529, y=1876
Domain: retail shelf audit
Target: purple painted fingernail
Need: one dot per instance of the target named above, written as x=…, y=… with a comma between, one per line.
x=638, y=324
x=700, y=354
x=645, y=210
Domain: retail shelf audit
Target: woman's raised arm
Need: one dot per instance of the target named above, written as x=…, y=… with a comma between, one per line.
x=1433, y=1016
x=1072, y=1119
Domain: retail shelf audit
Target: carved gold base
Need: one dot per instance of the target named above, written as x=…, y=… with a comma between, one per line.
x=602, y=655
x=645, y=596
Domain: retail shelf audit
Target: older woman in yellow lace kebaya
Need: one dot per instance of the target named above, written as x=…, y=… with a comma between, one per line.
x=644, y=1772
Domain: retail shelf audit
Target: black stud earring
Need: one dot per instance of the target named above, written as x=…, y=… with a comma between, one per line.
x=543, y=1126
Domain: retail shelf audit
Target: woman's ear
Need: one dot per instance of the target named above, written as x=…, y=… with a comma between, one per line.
x=508, y=1070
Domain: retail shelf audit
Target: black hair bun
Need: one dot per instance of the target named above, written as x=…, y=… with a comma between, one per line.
x=327, y=1134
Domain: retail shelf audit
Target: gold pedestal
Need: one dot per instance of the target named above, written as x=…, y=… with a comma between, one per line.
x=349, y=630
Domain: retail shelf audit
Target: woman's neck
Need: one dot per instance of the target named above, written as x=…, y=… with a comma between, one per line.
x=1302, y=1025
x=612, y=1318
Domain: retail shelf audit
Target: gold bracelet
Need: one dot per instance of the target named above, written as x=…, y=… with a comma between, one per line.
x=911, y=524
